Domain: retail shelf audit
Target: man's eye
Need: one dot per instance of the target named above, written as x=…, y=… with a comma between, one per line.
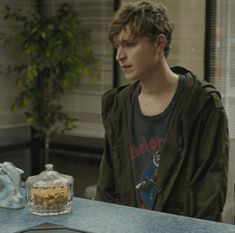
x=130, y=43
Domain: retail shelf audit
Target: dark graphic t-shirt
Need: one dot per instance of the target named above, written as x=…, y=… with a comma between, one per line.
x=147, y=136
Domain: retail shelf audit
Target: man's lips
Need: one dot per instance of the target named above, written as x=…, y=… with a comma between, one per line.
x=125, y=67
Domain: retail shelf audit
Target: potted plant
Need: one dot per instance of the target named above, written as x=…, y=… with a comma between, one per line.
x=58, y=54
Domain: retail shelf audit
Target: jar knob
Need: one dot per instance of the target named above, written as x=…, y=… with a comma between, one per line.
x=49, y=167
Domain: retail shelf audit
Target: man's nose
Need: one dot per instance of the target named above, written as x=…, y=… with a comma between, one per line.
x=120, y=55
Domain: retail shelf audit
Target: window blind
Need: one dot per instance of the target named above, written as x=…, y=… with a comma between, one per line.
x=189, y=34
x=223, y=65
x=8, y=92
x=85, y=102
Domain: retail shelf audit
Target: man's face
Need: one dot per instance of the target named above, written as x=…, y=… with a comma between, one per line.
x=138, y=57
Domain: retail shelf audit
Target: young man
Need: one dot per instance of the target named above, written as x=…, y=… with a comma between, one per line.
x=166, y=134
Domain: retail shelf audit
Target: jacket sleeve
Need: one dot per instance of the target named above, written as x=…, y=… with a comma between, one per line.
x=209, y=181
x=105, y=187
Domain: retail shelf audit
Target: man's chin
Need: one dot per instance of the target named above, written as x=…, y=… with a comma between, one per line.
x=131, y=78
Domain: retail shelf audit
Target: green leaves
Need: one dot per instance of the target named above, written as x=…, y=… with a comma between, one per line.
x=59, y=54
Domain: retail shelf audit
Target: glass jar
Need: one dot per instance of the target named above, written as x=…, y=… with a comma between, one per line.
x=49, y=193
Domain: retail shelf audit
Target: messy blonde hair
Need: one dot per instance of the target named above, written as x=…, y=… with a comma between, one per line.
x=144, y=18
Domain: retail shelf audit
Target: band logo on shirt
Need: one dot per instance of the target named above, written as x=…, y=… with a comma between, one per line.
x=145, y=147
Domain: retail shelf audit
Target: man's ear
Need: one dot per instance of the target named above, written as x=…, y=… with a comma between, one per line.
x=160, y=43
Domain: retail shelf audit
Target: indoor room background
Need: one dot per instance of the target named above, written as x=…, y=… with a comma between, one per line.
x=203, y=41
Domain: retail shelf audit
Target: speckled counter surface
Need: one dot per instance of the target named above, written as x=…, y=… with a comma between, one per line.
x=99, y=217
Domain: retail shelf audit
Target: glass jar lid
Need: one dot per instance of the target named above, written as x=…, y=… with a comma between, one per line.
x=49, y=178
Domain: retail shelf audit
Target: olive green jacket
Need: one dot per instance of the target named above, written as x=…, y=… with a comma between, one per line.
x=192, y=176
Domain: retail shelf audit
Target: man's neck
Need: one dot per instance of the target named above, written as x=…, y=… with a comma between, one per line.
x=162, y=81
x=157, y=91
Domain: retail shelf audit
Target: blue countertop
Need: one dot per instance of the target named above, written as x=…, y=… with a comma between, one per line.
x=99, y=217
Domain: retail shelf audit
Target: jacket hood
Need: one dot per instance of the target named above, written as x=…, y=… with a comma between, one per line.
x=206, y=85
